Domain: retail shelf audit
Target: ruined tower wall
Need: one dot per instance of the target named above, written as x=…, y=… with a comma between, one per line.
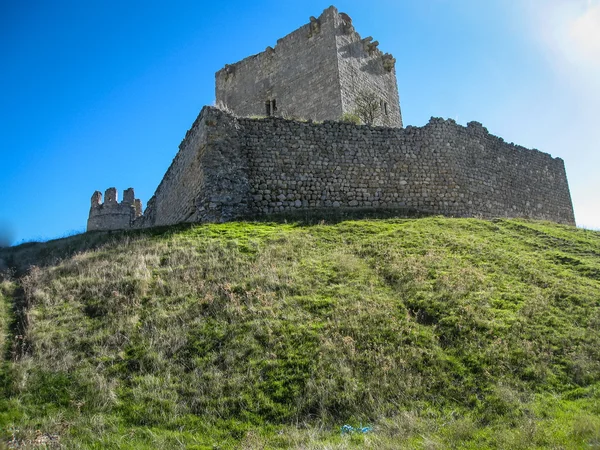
x=363, y=68
x=300, y=74
x=317, y=72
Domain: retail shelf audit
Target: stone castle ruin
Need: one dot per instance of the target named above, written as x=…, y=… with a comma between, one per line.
x=316, y=72
x=232, y=164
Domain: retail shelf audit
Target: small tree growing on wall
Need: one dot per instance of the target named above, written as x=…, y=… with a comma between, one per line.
x=367, y=107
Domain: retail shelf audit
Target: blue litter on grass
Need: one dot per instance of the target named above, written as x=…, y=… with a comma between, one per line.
x=349, y=429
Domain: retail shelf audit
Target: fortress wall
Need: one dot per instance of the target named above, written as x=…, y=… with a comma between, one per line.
x=174, y=199
x=441, y=168
x=500, y=179
x=301, y=165
x=231, y=167
x=300, y=73
x=207, y=178
x=224, y=170
x=361, y=69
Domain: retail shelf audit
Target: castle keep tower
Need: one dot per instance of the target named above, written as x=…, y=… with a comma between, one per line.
x=316, y=72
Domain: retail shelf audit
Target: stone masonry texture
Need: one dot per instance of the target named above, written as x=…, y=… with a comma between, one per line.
x=315, y=72
x=230, y=167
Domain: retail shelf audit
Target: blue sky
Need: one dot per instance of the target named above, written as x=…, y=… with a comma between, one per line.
x=97, y=94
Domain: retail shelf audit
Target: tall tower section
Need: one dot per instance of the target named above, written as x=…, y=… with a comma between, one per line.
x=316, y=72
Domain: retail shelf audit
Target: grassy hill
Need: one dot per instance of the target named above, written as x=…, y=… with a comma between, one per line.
x=434, y=332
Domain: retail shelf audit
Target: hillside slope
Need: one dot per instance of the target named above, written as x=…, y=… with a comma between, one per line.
x=436, y=332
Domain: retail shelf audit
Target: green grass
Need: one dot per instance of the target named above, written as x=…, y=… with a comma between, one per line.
x=436, y=332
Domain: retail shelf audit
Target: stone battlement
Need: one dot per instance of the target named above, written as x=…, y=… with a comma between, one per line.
x=112, y=215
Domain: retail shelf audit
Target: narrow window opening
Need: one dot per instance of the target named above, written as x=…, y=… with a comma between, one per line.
x=385, y=108
x=271, y=107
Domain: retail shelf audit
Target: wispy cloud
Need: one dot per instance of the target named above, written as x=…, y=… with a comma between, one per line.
x=584, y=35
x=568, y=34
x=569, y=31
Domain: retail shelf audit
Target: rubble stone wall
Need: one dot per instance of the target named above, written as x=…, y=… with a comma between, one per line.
x=230, y=167
x=442, y=168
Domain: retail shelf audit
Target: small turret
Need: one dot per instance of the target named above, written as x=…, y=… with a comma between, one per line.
x=112, y=215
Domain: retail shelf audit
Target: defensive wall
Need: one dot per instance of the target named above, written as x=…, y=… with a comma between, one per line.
x=316, y=72
x=230, y=167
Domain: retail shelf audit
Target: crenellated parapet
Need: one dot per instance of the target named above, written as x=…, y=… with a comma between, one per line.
x=112, y=214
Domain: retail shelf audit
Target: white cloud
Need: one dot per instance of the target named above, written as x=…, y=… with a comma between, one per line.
x=569, y=32
x=584, y=35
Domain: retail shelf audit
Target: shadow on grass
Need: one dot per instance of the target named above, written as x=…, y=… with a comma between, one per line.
x=307, y=217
